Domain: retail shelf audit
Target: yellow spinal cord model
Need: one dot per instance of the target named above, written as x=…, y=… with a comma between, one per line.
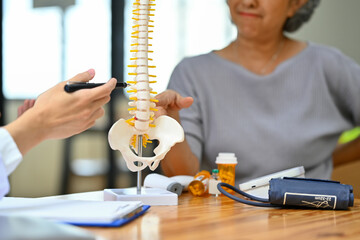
x=124, y=134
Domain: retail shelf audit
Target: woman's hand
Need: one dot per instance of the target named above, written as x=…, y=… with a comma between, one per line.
x=28, y=103
x=179, y=160
x=170, y=103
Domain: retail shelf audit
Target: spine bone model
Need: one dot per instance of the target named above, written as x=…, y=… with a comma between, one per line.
x=124, y=135
x=143, y=105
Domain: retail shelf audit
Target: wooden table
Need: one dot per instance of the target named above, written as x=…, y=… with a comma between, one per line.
x=222, y=218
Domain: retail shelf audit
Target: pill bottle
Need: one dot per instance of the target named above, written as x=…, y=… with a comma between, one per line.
x=200, y=185
x=226, y=163
x=213, y=182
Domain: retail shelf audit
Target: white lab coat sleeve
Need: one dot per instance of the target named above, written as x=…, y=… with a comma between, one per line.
x=4, y=182
x=10, y=157
x=9, y=152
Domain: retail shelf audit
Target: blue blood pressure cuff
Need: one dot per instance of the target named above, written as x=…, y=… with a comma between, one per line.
x=313, y=193
x=299, y=192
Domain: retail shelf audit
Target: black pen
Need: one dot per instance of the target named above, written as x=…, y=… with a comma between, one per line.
x=74, y=86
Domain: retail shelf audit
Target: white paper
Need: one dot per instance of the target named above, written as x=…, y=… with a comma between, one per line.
x=74, y=211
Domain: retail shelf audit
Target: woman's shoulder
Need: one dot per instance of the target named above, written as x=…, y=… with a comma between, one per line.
x=329, y=56
x=323, y=50
x=205, y=58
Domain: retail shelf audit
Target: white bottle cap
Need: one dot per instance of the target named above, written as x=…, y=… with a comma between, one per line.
x=226, y=158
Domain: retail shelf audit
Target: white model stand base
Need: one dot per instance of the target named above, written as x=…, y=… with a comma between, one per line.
x=148, y=196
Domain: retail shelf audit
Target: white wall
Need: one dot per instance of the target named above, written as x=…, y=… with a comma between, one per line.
x=335, y=23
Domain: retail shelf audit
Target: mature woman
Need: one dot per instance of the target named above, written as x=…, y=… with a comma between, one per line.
x=274, y=101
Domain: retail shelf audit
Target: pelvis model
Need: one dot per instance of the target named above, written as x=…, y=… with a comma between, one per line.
x=125, y=135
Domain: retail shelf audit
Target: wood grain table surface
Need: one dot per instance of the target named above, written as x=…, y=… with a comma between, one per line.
x=222, y=218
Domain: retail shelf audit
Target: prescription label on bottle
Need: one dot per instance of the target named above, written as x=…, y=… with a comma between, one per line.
x=199, y=178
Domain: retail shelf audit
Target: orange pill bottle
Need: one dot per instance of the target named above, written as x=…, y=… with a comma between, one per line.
x=200, y=185
x=226, y=163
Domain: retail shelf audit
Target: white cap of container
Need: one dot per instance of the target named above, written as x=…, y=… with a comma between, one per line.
x=226, y=158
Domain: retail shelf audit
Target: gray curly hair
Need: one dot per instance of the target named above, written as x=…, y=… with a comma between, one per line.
x=301, y=16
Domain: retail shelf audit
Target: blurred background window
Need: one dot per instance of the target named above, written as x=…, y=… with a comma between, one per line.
x=48, y=41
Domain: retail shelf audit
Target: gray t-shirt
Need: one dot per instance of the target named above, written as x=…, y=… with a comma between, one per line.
x=292, y=117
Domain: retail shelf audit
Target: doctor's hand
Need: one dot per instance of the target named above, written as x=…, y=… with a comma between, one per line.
x=170, y=103
x=64, y=114
x=57, y=114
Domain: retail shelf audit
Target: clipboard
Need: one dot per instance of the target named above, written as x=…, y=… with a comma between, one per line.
x=75, y=212
x=118, y=222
